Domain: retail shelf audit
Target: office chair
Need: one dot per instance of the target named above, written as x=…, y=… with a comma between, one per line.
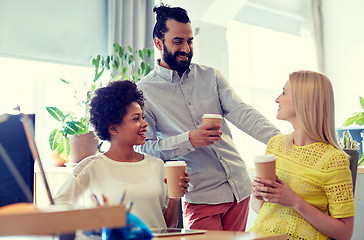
x=354, y=157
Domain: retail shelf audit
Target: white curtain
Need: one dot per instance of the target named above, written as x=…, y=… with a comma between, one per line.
x=317, y=20
x=131, y=22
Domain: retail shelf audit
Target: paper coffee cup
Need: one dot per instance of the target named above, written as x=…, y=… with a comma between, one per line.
x=211, y=118
x=174, y=170
x=265, y=166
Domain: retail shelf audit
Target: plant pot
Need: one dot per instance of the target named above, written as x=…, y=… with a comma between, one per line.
x=58, y=160
x=356, y=134
x=82, y=146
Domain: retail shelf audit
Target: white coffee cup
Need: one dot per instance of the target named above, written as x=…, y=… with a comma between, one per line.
x=211, y=118
x=174, y=170
x=265, y=166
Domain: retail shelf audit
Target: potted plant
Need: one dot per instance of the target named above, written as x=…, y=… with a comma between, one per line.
x=358, y=119
x=122, y=64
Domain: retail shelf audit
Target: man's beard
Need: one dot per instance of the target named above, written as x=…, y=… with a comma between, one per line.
x=170, y=59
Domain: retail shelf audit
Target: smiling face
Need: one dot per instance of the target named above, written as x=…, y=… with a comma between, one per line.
x=286, y=110
x=131, y=131
x=177, y=46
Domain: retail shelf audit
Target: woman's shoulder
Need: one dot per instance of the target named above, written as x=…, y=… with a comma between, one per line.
x=86, y=163
x=153, y=159
x=279, y=139
x=334, y=158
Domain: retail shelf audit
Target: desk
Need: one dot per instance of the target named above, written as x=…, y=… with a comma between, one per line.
x=226, y=235
x=210, y=235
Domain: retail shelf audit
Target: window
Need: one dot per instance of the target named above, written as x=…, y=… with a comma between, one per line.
x=34, y=85
x=260, y=60
x=44, y=41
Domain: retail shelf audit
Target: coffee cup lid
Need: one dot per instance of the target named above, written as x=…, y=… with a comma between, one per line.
x=212, y=116
x=265, y=158
x=175, y=163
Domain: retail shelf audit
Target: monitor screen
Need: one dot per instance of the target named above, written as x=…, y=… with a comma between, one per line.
x=15, y=144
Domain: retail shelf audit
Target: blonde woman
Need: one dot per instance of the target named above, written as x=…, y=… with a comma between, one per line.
x=312, y=197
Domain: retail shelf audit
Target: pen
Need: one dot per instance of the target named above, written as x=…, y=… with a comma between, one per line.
x=122, y=196
x=95, y=200
x=128, y=206
x=104, y=198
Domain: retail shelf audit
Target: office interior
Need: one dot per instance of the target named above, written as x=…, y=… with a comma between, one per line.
x=42, y=41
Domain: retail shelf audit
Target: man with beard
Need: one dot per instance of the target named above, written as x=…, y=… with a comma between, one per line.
x=178, y=93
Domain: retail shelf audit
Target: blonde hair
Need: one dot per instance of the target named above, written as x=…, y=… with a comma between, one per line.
x=313, y=98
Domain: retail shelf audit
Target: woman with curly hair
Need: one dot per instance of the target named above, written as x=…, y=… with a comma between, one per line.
x=116, y=113
x=312, y=197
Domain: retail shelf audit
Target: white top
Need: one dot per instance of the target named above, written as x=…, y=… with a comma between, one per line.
x=98, y=174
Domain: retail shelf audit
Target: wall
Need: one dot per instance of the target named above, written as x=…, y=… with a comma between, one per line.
x=344, y=51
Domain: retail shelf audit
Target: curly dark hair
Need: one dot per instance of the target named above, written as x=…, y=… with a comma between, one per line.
x=165, y=12
x=108, y=105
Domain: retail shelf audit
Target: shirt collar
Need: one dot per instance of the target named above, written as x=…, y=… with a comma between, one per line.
x=168, y=74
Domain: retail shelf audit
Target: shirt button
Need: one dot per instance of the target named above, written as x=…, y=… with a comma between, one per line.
x=182, y=83
x=197, y=123
x=188, y=150
x=189, y=103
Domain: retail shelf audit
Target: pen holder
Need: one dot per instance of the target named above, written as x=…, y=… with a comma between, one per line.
x=135, y=229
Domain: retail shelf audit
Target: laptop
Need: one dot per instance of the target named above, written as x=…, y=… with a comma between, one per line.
x=164, y=232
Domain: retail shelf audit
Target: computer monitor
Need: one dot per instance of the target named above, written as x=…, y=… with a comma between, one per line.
x=14, y=141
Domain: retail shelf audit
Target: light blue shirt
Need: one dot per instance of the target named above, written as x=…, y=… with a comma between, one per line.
x=175, y=105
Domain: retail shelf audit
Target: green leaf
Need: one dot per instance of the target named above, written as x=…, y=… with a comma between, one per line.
x=97, y=62
x=121, y=53
x=360, y=121
x=361, y=102
x=64, y=146
x=130, y=49
x=116, y=63
x=116, y=47
x=98, y=75
x=361, y=161
x=56, y=113
x=107, y=63
x=75, y=128
x=125, y=56
x=64, y=81
x=147, y=69
x=54, y=138
x=124, y=70
x=150, y=53
x=145, y=51
x=130, y=59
